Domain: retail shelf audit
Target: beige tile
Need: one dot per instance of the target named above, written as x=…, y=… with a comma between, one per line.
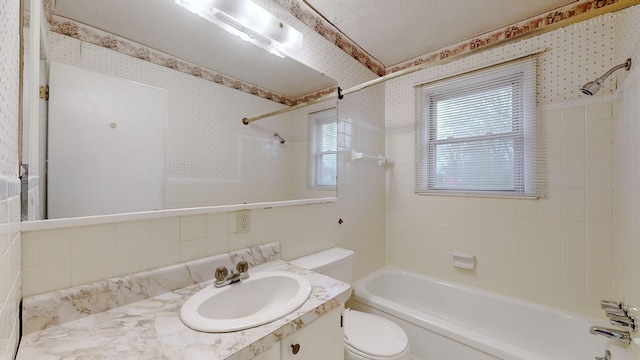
x=164, y=255
x=193, y=249
x=217, y=244
x=599, y=145
x=551, y=290
x=45, y=247
x=574, y=263
x=599, y=111
x=599, y=284
x=92, y=269
x=193, y=227
x=573, y=213
x=574, y=280
x=132, y=235
x=573, y=180
x=572, y=147
x=164, y=231
x=217, y=224
x=574, y=296
x=43, y=278
x=573, y=229
x=92, y=241
x=131, y=262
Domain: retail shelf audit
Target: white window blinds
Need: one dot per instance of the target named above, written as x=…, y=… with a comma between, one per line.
x=476, y=133
x=323, y=149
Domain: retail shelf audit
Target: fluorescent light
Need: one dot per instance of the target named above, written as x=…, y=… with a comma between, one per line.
x=250, y=22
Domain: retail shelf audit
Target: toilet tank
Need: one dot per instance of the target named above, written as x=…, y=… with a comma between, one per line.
x=335, y=262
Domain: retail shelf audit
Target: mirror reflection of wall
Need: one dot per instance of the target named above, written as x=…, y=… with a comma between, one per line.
x=34, y=109
x=211, y=158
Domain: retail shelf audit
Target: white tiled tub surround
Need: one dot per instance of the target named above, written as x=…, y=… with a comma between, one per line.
x=626, y=172
x=557, y=250
x=140, y=313
x=10, y=244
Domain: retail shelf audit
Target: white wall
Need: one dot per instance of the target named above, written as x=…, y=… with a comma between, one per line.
x=10, y=241
x=557, y=250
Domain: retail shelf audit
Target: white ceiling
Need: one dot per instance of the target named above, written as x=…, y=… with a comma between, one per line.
x=393, y=31
x=165, y=26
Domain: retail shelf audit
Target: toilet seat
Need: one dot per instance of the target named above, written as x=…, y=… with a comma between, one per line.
x=373, y=337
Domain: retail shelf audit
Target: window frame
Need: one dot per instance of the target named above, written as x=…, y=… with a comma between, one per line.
x=523, y=128
x=316, y=122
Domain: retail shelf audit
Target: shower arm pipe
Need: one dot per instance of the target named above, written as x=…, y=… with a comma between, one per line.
x=341, y=93
x=626, y=65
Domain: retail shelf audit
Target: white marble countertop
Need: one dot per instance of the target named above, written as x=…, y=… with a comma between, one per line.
x=151, y=328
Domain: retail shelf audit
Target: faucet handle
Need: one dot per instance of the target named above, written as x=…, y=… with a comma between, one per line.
x=221, y=273
x=616, y=312
x=242, y=267
x=609, y=304
x=624, y=321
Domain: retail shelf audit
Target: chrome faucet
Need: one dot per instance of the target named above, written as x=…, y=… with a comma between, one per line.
x=618, y=335
x=619, y=315
x=225, y=277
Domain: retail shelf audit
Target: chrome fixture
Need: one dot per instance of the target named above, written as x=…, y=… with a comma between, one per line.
x=619, y=315
x=604, y=304
x=627, y=321
x=607, y=356
x=225, y=277
x=592, y=87
x=279, y=138
x=615, y=312
x=618, y=335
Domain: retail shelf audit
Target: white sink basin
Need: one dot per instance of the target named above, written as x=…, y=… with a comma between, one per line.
x=262, y=298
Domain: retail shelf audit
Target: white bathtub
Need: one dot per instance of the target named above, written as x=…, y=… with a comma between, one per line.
x=446, y=321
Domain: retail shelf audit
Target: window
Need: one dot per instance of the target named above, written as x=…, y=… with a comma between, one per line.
x=476, y=133
x=323, y=149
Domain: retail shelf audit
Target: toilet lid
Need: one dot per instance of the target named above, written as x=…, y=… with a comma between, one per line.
x=373, y=334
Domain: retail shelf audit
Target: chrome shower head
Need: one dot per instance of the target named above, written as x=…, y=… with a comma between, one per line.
x=592, y=87
x=275, y=135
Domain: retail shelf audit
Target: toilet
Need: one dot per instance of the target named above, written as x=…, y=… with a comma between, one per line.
x=366, y=336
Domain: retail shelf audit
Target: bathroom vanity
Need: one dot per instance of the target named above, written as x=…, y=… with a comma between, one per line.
x=106, y=320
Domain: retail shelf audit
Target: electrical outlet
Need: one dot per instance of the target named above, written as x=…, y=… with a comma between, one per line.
x=243, y=223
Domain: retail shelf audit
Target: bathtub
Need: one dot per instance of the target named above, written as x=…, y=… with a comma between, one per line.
x=446, y=321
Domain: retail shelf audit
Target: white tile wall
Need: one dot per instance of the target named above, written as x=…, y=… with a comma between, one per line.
x=10, y=240
x=557, y=250
x=55, y=259
x=626, y=250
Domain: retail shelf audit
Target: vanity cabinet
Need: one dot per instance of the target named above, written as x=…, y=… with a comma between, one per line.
x=323, y=339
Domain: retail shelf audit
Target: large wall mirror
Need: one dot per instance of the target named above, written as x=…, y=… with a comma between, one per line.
x=144, y=113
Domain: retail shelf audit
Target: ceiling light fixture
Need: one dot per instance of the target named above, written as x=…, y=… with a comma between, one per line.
x=249, y=21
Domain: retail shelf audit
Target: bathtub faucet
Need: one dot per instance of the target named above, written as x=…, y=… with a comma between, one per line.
x=618, y=335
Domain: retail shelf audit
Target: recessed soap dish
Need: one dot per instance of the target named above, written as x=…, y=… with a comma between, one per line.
x=464, y=260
